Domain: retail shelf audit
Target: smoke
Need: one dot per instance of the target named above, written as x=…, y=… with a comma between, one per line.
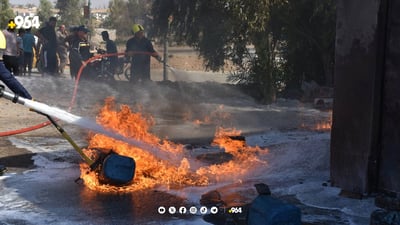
x=170, y=103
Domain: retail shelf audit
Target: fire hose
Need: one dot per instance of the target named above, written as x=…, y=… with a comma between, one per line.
x=112, y=168
x=72, y=102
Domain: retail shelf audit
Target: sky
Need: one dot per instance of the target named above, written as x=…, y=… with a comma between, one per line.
x=94, y=3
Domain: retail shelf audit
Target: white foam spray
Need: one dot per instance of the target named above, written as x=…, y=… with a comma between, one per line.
x=97, y=128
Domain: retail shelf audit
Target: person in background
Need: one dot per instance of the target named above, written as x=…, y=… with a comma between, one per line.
x=20, y=55
x=79, y=51
x=28, y=41
x=62, y=47
x=11, y=52
x=9, y=80
x=140, y=63
x=48, y=38
x=6, y=77
x=110, y=48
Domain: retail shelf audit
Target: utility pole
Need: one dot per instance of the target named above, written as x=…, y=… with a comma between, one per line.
x=86, y=13
x=166, y=37
x=87, y=16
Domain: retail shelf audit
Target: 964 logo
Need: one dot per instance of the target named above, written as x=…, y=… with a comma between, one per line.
x=235, y=210
x=27, y=22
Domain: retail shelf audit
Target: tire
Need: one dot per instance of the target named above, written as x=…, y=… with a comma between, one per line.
x=127, y=72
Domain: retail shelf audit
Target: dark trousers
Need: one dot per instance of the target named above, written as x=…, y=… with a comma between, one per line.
x=28, y=60
x=11, y=63
x=140, y=72
x=50, y=60
x=12, y=83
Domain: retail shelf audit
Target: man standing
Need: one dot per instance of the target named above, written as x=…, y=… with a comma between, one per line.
x=11, y=52
x=62, y=47
x=48, y=38
x=20, y=45
x=140, y=49
x=28, y=41
x=79, y=51
x=110, y=49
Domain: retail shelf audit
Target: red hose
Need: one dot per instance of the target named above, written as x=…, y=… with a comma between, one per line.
x=46, y=123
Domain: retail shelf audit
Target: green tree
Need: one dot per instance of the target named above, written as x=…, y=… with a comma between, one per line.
x=45, y=10
x=70, y=12
x=223, y=30
x=284, y=51
x=123, y=14
x=139, y=11
x=6, y=13
x=309, y=41
x=118, y=16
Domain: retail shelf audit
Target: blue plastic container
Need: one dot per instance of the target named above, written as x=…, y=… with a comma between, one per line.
x=265, y=210
x=118, y=169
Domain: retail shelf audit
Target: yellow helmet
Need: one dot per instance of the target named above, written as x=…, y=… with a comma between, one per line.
x=136, y=28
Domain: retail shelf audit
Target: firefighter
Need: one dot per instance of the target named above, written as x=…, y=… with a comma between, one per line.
x=79, y=50
x=140, y=63
x=6, y=77
x=9, y=80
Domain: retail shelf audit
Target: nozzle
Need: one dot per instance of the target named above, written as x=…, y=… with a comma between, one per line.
x=12, y=97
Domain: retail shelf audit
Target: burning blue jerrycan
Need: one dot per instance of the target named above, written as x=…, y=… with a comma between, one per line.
x=266, y=210
x=117, y=169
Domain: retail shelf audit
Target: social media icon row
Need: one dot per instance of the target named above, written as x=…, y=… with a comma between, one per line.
x=183, y=210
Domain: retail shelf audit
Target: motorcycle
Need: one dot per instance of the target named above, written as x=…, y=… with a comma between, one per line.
x=103, y=68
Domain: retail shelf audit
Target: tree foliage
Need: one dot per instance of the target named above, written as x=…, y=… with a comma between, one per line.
x=6, y=13
x=309, y=41
x=70, y=12
x=291, y=39
x=118, y=16
x=123, y=14
x=45, y=10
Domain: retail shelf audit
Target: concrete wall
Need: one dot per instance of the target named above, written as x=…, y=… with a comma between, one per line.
x=389, y=170
x=365, y=138
x=354, y=90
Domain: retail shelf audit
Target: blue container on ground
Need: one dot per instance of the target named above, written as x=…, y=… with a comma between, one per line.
x=118, y=169
x=265, y=210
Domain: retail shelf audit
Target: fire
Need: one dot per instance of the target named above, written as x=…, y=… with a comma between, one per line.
x=245, y=158
x=152, y=171
x=213, y=117
x=324, y=126
x=320, y=124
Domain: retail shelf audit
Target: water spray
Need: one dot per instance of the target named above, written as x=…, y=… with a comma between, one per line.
x=112, y=164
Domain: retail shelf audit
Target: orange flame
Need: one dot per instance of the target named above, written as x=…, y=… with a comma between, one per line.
x=320, y=124
x=213, y=117
x=152, y=171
